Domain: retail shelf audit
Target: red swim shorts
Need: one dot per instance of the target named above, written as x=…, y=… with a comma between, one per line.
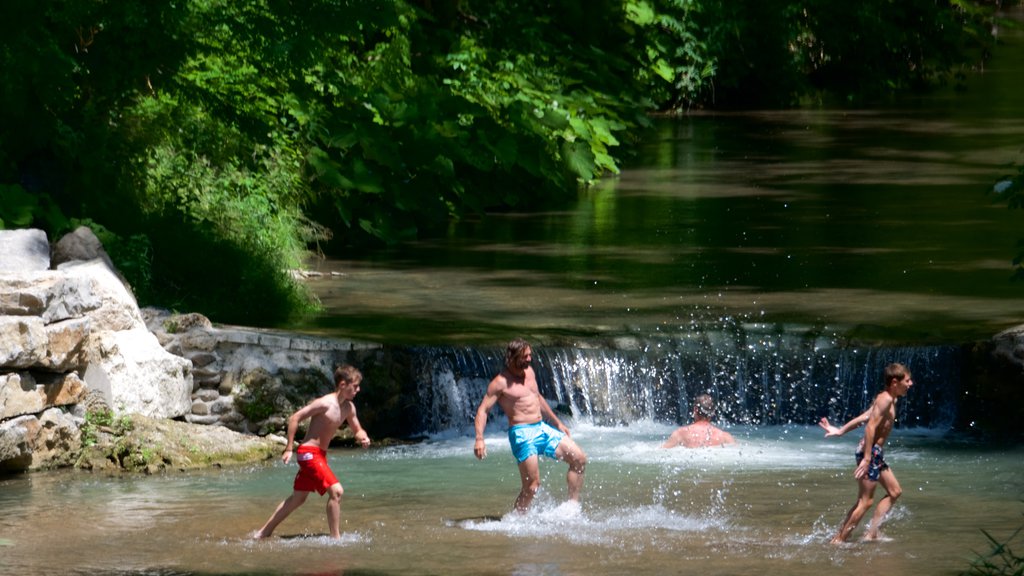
x=314, y=474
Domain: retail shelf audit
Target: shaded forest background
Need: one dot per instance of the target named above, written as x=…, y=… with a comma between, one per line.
x=212, y=144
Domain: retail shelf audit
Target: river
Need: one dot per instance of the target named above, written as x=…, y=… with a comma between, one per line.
x=877, y=225
x=860, y=226
x=765, y=506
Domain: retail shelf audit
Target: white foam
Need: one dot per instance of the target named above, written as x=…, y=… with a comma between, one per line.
x=570, y=522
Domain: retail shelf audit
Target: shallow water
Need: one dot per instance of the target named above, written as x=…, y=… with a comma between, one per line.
x=765, y=506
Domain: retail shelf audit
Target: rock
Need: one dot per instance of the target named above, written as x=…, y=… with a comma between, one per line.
x=137, y=376
x=25, y=250
x=152, y=445
x=50, y=440
x=80, y=244
x=22, y=342
x=50, y=295
x=21, y=393
x=118, y=309
x=65, y=344
x=1009, y=346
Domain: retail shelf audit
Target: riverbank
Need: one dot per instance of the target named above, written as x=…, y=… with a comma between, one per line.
x=89, y=380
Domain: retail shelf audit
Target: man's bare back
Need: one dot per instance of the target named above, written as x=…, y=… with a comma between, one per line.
x=702, y=433
x=699, y=435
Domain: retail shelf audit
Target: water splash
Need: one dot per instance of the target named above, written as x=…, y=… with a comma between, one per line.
x=759, y=375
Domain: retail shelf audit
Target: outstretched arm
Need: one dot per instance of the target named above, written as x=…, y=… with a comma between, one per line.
x=831, y=430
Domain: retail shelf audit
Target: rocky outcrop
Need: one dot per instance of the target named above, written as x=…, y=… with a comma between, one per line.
x=67, y=330
x=89, y=379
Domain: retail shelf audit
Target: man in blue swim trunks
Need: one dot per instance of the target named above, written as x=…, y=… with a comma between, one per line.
x=515, y=390
x=871, y=467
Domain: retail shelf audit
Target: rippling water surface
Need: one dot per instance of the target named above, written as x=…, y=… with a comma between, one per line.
x=765, y=506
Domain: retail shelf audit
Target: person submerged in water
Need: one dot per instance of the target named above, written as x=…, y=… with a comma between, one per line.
x=515, y=390
x=326, y=415
x=702, y=432
x=872, y=468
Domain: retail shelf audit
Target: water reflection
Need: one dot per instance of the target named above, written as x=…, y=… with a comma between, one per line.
x=874, y=222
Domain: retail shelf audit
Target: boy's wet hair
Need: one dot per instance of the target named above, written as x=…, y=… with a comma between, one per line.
x=704, y=404
x=348, y=374
x=894, y=371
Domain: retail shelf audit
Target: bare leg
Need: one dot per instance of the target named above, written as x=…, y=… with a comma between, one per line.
x=334, y=509
x=529, y=473
x=892, y=492
x=865, y=497
x=574, y=456
x=286, y=507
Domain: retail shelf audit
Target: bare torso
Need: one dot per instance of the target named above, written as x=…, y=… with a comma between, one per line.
x=329, y=414
x=700, y=434
x=518, y=396
x=886, y=405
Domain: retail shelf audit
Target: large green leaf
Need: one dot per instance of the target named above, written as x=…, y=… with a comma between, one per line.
x=579, y=159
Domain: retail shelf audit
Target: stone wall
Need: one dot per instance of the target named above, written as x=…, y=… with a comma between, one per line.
x=247, y=379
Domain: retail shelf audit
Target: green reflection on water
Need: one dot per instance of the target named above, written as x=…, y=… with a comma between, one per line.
x=877, y=223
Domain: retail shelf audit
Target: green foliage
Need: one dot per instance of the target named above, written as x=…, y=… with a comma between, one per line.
x=103, y=420
x=216, y=142
x=779, y=52
x=666, y=38
x=1010, y=190
x=17, y=207
x=1000, y=560
x=22, y=209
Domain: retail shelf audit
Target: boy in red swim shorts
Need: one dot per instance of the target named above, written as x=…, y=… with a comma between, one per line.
x=326, y=414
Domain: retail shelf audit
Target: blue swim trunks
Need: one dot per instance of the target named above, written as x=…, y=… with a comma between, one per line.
x=532, y=439
x=877, y=462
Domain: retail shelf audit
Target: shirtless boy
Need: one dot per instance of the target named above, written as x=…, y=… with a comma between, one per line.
x=702, y=432
x=515, y=390
x=871, y=466
x=326, y=414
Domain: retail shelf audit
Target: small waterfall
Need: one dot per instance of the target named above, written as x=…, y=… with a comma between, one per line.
x=759, y=375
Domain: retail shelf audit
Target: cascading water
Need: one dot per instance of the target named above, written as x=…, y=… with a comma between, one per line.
x=759, y=375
